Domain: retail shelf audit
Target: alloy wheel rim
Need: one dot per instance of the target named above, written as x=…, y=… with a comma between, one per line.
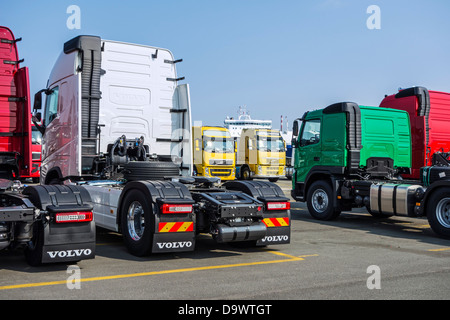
x=135, y=221
x=443, y=212
x=320, y=200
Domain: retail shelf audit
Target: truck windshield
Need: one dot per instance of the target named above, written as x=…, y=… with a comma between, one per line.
x=270, y=144
x=219, y=145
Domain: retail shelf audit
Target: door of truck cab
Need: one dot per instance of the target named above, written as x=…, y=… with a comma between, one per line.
x=309, y=148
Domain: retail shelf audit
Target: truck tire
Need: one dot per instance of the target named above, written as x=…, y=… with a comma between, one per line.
x=33, y=252
x=150, y=170
x=245, y=174
x=137, y=223
x=320, y=201
x=438, y=212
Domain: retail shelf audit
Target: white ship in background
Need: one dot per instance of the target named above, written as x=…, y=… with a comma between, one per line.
x=244, y=121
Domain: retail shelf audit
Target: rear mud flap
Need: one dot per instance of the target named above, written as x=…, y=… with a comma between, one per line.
x=62, y=242
x=278, y=222
x=69, y=243
x=278, y=229
x=276, y=235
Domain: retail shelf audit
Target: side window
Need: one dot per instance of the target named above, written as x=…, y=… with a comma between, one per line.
x=51, y=106
x=310, y=133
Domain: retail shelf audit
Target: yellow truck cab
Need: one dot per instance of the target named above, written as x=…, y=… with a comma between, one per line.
x=261, y=154
x=214, y=152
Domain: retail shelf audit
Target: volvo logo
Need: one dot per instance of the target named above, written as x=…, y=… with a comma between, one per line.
x=275, y=238
x=174, y=245
x=69, y=253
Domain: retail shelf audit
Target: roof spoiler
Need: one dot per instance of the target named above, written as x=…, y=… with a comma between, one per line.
x=422, y=95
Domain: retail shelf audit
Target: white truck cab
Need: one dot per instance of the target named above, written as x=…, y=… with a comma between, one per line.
x=103, y=94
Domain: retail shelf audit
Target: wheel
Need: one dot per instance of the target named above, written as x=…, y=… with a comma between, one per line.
x=273, y=179
x=245, y=174
x=137, y=223
x=150, y=170
x=320, y=201
x=34, y=250
x=438, y=212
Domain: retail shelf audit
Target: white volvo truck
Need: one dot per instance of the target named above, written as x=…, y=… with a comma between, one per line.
x=117, y=122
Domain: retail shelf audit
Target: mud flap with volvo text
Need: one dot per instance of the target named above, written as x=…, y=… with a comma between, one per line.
x=276, y=213
x=65, y=229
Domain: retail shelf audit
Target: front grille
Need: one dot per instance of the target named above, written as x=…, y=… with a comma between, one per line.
x=36, y=156
x=220, y=172
x=272, y=170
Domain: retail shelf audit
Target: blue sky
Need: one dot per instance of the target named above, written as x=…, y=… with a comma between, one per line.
x=276, y=57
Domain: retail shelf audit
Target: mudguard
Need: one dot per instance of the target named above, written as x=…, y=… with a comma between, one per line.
x=172, y=232
x=278, y=222
x=62, y=242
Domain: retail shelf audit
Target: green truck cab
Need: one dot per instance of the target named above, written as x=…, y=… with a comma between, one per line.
x=350, y=156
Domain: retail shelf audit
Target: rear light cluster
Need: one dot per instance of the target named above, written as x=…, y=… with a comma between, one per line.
x=70, y=217
x=176, y=208
x=278, y=205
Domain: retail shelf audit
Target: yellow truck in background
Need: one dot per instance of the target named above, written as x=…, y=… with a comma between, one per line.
x=261, y=153
x=214, y=152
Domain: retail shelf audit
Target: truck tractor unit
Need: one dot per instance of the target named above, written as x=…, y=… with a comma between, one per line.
x=15, y=110
x=50, y=223
x=349, y=156
x=118, y=123
x=261, y=154
x=214, y=152
x=429, y=113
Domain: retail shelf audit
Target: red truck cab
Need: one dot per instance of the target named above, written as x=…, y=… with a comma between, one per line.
x=429, y=113
x=15, y=111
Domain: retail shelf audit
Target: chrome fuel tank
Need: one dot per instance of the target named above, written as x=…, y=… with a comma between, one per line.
x=393, y=199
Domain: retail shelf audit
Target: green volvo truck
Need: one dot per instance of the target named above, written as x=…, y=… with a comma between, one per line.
x=350, y=156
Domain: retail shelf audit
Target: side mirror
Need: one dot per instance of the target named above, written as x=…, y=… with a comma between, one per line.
x=38, y=99
x=295, y=129
x=295, y=133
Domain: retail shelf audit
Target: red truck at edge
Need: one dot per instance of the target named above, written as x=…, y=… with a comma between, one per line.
x=429, y=113
x=15, y=111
